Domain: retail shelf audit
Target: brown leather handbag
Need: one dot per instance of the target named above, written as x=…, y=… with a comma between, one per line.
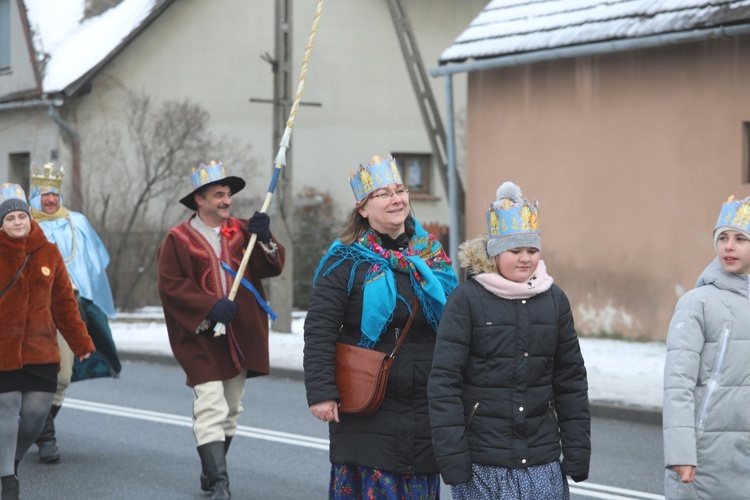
x=362, y=374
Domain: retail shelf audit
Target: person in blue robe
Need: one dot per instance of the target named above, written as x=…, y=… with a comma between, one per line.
x=86, y=260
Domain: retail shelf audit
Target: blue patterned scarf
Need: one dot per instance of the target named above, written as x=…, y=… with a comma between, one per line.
x=424, y=261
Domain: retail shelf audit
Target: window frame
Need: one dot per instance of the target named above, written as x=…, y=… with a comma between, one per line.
x=403, y=160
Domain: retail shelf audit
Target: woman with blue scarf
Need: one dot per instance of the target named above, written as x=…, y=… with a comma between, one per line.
x=363, y=294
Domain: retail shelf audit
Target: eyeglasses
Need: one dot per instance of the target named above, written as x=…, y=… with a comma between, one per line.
x=387, y=195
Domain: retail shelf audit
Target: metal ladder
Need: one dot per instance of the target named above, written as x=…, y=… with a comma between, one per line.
x=423, y=91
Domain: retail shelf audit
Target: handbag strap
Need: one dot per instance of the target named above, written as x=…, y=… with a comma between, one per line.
x=13, y=281
x=414, y=309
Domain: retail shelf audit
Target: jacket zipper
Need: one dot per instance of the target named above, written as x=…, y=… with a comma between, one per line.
x=715, y=376
x=550, y=414
x=471, y=415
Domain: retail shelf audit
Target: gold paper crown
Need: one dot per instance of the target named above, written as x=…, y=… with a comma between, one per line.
x=47, y=182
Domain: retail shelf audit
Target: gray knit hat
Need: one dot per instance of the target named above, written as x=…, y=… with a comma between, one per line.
x=512, y=221
x=12, y=199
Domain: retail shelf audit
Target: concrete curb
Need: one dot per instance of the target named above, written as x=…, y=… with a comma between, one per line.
x=627, y=413
x=599, y=409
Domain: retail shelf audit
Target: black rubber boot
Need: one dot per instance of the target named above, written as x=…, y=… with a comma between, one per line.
x=205, y=486
x=47, y=443
x=214, y=462
x=10, y=488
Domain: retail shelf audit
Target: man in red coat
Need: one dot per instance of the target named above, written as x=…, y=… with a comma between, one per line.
x=193, y=287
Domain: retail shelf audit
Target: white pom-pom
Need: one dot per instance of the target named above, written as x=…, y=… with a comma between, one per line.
x=510, y=191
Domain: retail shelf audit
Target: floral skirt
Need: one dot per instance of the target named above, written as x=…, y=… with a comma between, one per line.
x=354, y=482
x=539, y=482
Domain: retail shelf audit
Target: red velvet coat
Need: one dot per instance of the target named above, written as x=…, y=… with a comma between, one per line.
x=39, y=303
x=188, y=278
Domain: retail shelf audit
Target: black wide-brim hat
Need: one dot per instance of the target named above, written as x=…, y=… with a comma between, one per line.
x=208, y=175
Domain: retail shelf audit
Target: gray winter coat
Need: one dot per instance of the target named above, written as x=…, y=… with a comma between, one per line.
x=707, y=388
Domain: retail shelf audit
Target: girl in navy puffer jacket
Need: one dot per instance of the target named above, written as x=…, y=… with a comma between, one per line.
x=508, y=388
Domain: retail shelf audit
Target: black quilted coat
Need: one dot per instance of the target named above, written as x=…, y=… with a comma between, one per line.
x=508, y=385
x=395, y=438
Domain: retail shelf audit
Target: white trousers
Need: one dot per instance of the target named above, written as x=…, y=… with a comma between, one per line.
x=217, y=407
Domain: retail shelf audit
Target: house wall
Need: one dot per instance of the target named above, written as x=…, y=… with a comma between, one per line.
x=630, y=156
x=21, y=75
x=212, y=55
x=27, y=131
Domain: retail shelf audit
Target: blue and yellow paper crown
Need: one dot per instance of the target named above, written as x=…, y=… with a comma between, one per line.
x=204, y=174
x=12, y=199
x=46, y=181
x=506, y=217
x=9, y=191
x=735, y=214
x=377, y=174
x=512, y=221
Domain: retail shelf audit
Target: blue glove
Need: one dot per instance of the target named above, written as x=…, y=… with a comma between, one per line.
x=223, y=311
x=260, y=224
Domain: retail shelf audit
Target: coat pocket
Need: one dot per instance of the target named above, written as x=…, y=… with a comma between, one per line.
x=471, y=416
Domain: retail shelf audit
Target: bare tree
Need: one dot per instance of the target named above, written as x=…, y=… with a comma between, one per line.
x=315, y=229
x=145, y=164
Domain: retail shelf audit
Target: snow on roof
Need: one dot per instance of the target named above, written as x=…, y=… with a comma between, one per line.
x=517, y=26
x=68, y=46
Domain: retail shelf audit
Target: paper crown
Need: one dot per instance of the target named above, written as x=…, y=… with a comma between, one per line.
x=734, y=214
x=9, y=191
x=204, y=175
x=512, y=221
x=47, y=181
x=12, y=199
x=377, y=174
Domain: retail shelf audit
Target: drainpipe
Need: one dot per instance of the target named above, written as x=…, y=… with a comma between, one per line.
x=33, y=103
x=76, y=203
x=452, y=174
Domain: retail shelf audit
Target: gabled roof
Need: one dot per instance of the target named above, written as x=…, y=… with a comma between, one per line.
x=508, y=27
x=71, y=47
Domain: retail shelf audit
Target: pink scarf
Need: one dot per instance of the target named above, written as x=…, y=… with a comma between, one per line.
x=506, y=289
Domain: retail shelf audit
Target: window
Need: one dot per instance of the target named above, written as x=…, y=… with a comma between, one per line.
x=4, y=35
x=415, y=171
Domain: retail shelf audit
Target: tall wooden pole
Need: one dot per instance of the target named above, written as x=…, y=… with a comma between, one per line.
x=282, y=287
x=280, y=162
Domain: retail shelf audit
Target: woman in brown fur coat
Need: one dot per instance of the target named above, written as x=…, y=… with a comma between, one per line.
x=36, y=299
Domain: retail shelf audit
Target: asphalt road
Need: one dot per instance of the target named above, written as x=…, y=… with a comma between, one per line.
x=131, y=439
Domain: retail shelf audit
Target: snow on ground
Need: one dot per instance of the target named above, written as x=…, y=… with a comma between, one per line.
x=620, y=372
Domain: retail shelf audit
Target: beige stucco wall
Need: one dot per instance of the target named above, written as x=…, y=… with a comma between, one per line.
x=212, y=55
x=630, y=156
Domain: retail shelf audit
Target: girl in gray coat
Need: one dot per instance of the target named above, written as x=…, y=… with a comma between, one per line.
x=508, y=389
x=707, y=375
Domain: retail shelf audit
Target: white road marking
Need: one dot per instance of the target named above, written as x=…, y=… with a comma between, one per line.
x=610, y=492
x=583, y=489
x=172, y=419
